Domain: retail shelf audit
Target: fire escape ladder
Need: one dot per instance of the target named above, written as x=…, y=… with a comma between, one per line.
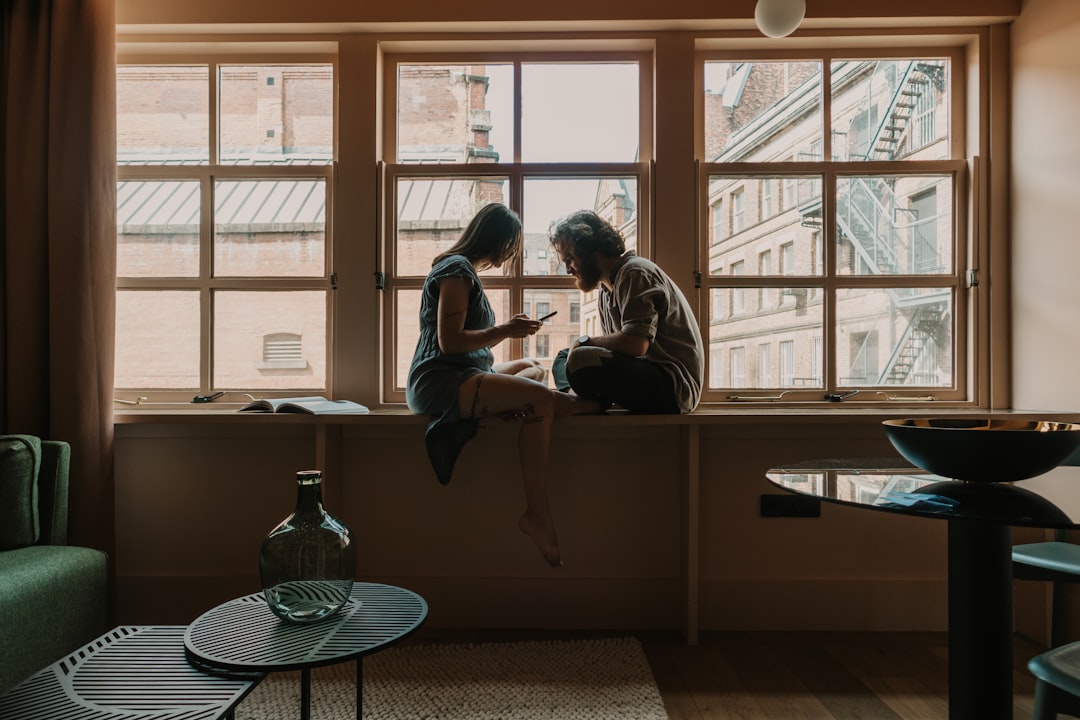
x=918, y=334
x=912, y=84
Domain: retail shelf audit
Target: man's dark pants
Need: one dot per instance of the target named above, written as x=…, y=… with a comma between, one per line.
x=633, y=383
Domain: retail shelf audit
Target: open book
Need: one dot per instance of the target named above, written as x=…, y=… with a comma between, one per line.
x=314, y=405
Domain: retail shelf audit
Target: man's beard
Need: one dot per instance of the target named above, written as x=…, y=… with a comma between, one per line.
x=588, y=274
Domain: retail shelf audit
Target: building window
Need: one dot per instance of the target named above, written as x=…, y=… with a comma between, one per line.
x=764, y=377
x=738, y=211
x=716, y=369
x=718, y=222
x=871, y=253
x=738, y=295
x=924, y=114
x=210, y=251
x=738, y=367
x=766, y=295
x=464, y=136
x=790, y=185
x=921, y=222
x=787, y=364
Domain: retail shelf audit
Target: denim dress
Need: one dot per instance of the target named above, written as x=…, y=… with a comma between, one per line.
x=435, y=376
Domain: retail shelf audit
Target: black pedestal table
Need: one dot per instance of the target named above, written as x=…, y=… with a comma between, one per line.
x=980, y=516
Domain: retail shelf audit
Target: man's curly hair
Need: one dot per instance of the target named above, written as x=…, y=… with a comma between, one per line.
x=584, y=233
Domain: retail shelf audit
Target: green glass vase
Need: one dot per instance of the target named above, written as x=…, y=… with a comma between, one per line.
x=307, y=563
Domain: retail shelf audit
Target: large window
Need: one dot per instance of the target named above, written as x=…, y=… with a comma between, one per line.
x=464, y=132
x=224, y=228
x=833, y=248
x=866, y=153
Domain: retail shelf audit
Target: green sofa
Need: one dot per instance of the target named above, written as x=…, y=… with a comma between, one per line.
x=53, y=597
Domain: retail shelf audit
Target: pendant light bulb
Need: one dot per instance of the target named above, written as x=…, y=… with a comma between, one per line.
x=778, y=18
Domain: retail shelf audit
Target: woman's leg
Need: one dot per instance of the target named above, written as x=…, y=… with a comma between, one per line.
x=536, y=405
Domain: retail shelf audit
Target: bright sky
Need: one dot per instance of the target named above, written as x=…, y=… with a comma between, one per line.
x=571, y=113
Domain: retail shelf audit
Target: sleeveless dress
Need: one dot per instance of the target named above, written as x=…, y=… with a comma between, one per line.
x=435, y=376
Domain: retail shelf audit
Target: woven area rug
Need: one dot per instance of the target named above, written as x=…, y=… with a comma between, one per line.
x=601, y=679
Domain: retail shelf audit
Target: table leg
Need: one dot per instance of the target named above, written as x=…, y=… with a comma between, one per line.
x=359, y=688
x=980, y=621
x=305, y=694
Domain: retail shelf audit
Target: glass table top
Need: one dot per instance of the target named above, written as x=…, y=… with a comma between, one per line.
x=1051, y=500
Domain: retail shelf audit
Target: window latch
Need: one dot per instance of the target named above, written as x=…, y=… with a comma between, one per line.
x=207, y=398
x=840, y=397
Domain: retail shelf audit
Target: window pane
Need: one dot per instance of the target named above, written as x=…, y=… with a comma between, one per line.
x=556, y=130
x=157, y=339
x=762, y=111
x=894, y=225
x=895, y=336
x=455, y=113
x=786, y=334
x=271, y=340
x=431, y=214
x=162, y=114
x=890, y=109
x=559, y=330
x=157, y=228
x=548, y=199
x=742, y=230
x=277, y=113
x=269, y=227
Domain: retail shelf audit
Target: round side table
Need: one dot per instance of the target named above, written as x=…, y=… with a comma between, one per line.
x=243, y=636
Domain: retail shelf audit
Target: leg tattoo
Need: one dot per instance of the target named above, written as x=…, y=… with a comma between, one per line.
x=529, y=413
x=476, y=396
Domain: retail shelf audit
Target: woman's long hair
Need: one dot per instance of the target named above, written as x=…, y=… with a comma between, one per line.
x=491, y=238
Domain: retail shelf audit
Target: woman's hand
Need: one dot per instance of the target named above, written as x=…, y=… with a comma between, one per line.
x=521, y=326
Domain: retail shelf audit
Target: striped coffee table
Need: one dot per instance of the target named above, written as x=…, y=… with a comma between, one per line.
x=132, y=671
x=242, y=635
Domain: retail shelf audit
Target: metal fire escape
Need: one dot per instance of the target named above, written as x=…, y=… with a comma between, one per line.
x=866, y=218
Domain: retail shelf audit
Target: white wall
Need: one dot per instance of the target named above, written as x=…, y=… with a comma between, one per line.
x=1046, y=205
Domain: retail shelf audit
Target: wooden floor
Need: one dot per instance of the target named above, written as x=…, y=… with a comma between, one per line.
x=790, y=676
x=846, y=676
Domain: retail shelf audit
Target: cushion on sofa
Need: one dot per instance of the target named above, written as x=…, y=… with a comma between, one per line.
x=20, y=462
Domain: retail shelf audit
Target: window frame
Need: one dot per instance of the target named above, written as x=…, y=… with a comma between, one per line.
x=515, y=171
x=206, y=283
x=963, y=388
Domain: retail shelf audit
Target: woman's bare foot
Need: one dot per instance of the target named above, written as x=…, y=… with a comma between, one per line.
x=543, y=534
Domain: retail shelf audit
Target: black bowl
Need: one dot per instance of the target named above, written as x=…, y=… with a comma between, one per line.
x=984, y=450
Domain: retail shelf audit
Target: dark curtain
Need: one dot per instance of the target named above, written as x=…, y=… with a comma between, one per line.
x=58, y=249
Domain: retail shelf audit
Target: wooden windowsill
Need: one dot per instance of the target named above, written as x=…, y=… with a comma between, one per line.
x=709, y=415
